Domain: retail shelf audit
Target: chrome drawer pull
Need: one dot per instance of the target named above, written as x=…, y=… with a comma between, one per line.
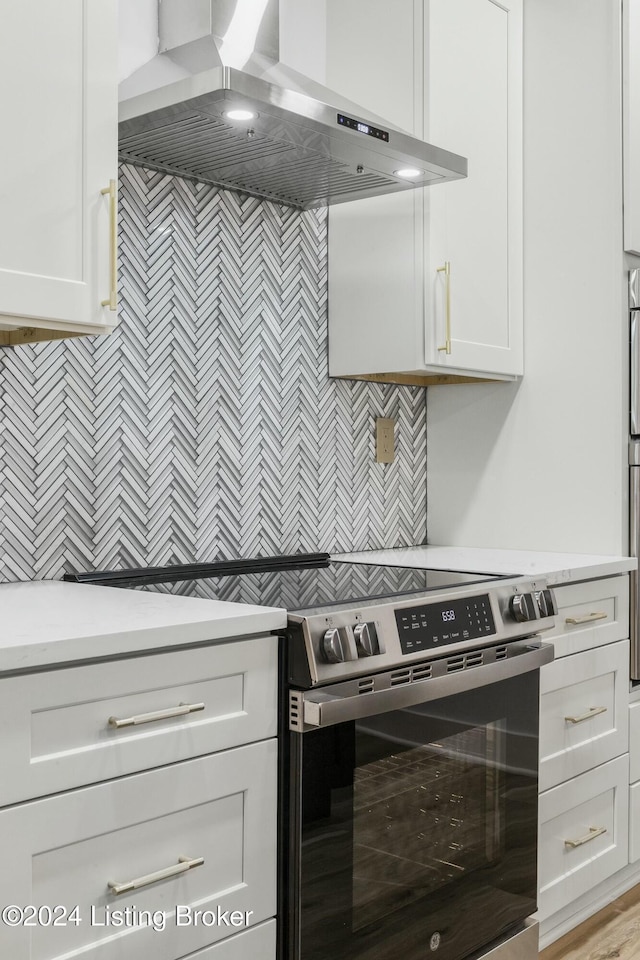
x=179, y=711
x=593, y=833
x=588, y=617
x=184, y=864
x=592, y=712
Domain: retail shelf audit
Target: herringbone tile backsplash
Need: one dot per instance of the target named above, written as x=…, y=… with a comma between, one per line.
x=207, y=426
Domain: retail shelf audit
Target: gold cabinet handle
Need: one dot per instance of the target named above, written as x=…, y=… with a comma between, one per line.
x=179, y=711
x=588, y=617
x=592, y=712
x=593, y=833
x=446, y=269
x=112, y=302
x=183, y=864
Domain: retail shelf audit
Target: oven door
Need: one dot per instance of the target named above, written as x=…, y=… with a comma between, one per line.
x=413, y=828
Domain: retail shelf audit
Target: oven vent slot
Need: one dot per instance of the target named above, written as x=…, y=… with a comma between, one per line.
x=411, y=674
x=455, y=664
x=366, y=686
x=501, y=653
x=464, y=661
x=421, y=673
x=295, y=710
x=400, y=676
x=475, y=659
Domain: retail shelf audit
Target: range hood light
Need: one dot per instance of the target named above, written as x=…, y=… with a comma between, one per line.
x=240, y=114
x=408, y=173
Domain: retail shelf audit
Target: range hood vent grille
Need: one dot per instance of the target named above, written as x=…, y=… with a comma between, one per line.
x=208, y=150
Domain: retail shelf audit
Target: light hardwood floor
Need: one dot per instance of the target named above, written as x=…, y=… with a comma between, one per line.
x=611, y=934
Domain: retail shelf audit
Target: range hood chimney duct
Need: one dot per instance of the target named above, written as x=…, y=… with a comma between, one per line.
x=218, y=106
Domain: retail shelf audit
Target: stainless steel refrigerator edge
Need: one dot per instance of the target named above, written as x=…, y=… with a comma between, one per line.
x=634, y=465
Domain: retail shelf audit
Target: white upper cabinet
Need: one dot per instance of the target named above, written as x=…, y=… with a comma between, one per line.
x=428, y=284
x=631, y=124
x=376, y=250
x=59, y=116
x=474, y=83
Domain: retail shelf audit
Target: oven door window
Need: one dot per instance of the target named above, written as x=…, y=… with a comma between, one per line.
x=417, y=828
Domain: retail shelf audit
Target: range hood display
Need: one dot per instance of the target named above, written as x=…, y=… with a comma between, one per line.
x=216, y=105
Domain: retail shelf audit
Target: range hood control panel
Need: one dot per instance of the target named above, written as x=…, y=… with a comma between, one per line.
x=361, y=127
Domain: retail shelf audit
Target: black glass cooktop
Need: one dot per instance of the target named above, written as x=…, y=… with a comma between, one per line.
x=297, y=583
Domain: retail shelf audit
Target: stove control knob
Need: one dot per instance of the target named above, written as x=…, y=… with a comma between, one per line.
x=335, y=645
x=523, y=607
x=366, y=639
x=546, y=603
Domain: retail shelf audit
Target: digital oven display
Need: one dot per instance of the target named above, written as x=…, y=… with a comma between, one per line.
x=436, y=624
x=361, y=127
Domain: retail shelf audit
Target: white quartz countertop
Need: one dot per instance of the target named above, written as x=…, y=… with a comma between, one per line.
x=47, y=622
x=557, y=568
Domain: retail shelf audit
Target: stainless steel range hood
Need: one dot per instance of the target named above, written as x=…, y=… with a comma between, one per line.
x=303, y=146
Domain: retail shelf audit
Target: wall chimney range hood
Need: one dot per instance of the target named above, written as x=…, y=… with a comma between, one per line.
x=216, y=105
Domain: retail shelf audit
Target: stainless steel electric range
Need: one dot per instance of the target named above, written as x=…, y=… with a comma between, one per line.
x=409, y=752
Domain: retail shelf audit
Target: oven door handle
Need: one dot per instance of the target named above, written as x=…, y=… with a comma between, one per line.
x=320, y=708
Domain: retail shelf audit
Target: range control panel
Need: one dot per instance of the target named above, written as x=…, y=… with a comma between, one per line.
x=436, y=624
x=360, y=638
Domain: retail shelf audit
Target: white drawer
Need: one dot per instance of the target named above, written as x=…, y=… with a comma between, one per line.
x=574, y=811
x=583, y=712
x=259, y=943
x=56, y=730
x=590, y=614
x=67, y=849
x=634, y=742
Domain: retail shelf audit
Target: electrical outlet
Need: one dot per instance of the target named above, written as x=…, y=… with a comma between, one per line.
x=385, y=447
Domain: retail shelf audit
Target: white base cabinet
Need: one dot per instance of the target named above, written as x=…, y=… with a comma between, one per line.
x=395, y=312
x=583, y=712
x=590, y=614
x=59, y=127
x=70, y=727
x=634, y=741
x=67, y=849
x=584, y=832
x=634, y=780
x=634, y=822
x=133, y=848
x=256, y=944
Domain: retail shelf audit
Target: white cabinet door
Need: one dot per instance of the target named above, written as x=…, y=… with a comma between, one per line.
x=634, y=742
x=59, y=132
x=449, y=71
x=634, y=822
x=583, y=712
x=376, y=256
x=78, y=725
x=631, y=123
x=69, y=850
x=473, y=78
x=584, y=834
x=590, y=614
x=259, y=943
